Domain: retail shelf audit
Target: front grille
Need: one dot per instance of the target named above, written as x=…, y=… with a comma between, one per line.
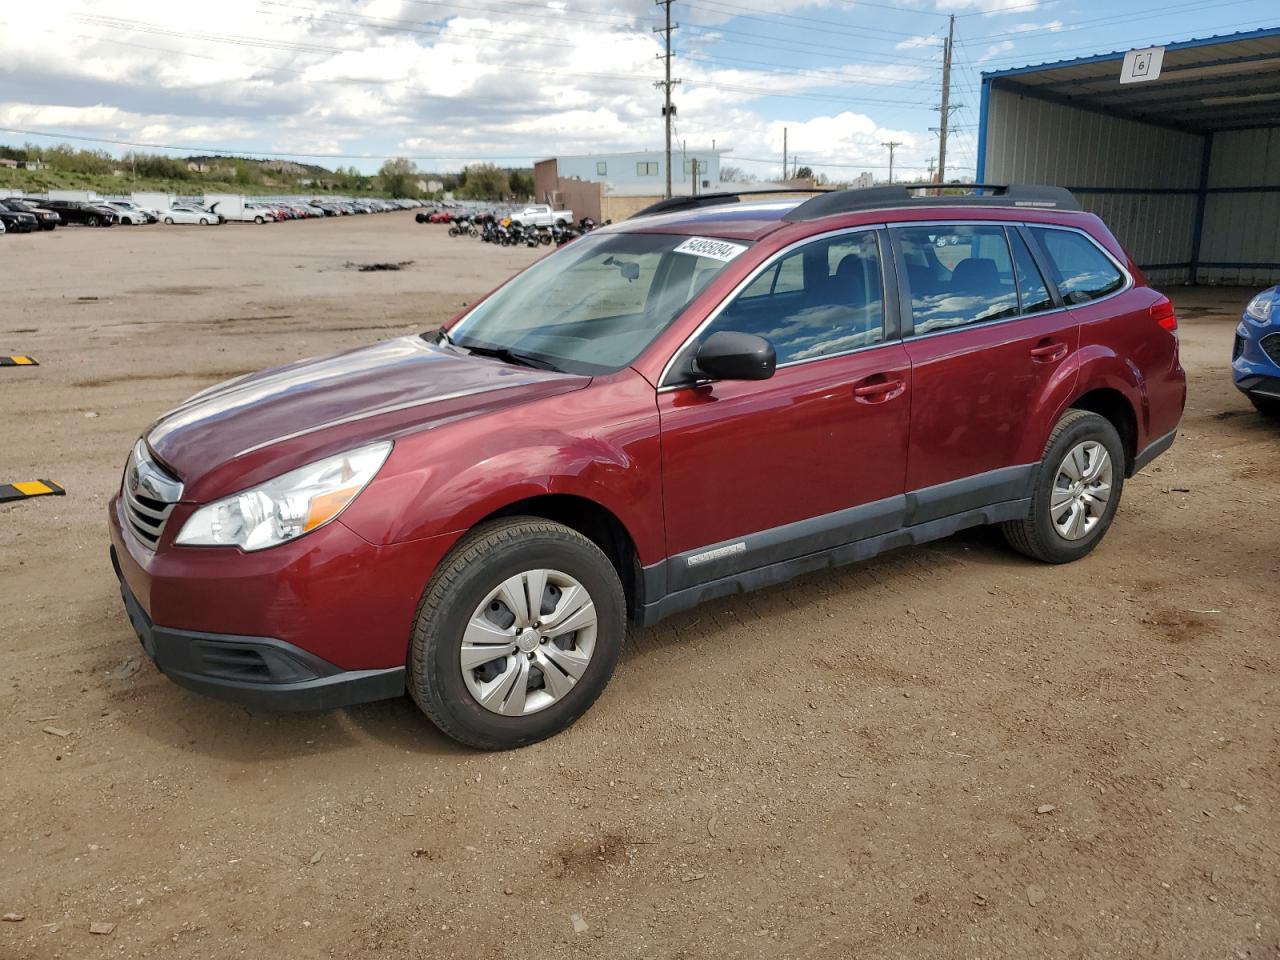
x=1271, y=346
x=149, y=493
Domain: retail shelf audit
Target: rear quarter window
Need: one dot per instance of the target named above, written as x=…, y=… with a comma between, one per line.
x=1083, y=271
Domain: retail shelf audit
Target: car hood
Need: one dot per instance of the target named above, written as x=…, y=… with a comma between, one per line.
x=248, y=430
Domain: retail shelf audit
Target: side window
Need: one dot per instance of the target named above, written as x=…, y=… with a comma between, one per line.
x=957, y=275
x=1084, y=272
x=1031, y=285
x=814, y=302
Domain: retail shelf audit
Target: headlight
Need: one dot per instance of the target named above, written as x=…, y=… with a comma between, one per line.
x=1260, y=307
x=288, y=506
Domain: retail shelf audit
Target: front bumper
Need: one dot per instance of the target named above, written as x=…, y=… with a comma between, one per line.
x=256, y=671
x=1253, y=368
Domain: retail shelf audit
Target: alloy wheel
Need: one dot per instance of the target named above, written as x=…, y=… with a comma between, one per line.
x=529, y=642
x=1081, y=490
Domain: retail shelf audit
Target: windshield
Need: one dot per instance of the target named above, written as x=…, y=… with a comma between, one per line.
x=593, y=306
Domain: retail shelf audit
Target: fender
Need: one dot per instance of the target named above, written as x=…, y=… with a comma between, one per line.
x=1101, y=367
x=465, y=471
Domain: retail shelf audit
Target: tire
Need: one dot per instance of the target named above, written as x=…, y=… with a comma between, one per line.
x=168, y=220
x=204, y=222
x=258, y=220
x=92, y=221
x=1266, y=406
x=1038, y=536
x=463, y=590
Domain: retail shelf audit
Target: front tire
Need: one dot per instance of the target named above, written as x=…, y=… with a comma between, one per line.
x=1077, y=491
x=492, y=669
x=1266, y=406
x=169, y=220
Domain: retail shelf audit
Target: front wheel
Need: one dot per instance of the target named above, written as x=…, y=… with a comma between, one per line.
x=93, y=221
x=258, y=220
x=168, y=220
x=1077, y=491
x=517, y=634
x=204, y=222
x=1266, y=406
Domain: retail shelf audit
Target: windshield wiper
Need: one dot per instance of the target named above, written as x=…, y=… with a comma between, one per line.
x=507, y=355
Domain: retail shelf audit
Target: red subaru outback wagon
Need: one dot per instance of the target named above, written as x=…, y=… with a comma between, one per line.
x=712, y=397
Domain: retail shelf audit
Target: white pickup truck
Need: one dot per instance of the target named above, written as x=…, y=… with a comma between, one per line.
x=541, y=215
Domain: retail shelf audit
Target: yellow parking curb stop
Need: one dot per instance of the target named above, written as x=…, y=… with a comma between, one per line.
x=18, y=362
x=23, y=489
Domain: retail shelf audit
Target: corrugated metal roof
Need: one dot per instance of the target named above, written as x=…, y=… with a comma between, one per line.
x=1225, y=82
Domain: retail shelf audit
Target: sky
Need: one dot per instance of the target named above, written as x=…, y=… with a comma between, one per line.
x=448, y=82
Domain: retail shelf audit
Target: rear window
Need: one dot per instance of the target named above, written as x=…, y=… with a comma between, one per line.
x=1083, y=271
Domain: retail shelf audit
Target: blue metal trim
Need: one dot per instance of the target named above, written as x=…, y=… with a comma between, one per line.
x=1202, y=196
x=984, y=105
x=1118, y=55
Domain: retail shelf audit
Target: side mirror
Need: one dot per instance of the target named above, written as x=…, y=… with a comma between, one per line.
x=727, y=355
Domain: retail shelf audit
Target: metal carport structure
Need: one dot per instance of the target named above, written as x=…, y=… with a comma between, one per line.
x=1184, y=168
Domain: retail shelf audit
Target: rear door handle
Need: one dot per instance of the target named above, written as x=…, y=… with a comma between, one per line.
x=878, y=388
x=1049, y=351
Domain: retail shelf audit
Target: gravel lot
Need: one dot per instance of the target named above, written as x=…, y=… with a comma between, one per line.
x=945, y=752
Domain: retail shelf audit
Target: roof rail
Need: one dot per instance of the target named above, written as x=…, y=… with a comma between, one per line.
x=672, y=204
x=900, y=195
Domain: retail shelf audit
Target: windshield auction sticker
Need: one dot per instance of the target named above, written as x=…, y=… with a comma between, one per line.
x=714, y=249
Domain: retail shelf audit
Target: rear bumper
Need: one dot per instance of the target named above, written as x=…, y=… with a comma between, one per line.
x=255, y=671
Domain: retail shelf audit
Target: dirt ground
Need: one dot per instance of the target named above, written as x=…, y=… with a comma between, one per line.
x=945, y=752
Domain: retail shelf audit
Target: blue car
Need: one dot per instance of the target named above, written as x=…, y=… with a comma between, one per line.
x=1255, y=361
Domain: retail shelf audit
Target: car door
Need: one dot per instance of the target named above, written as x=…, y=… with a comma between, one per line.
x=763, y=472
x=986, y=339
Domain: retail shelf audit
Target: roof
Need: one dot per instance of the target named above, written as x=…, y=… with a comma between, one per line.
x=724, y=215
x=737, y=221
x=1225, y=82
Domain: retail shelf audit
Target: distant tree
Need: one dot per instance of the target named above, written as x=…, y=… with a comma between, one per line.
x=399, y=177
x=736, y=175
x=521, y=182
x=804, y=173
x=485, y=181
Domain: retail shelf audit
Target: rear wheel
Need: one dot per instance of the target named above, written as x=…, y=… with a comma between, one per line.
x=517, y=634
x=1267, y=406
x=1077, y=491
x=92, y=221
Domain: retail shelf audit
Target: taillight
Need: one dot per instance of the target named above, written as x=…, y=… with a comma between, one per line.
x=1162, y=313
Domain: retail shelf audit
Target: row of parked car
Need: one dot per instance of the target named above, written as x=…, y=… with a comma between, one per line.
x=28, y=214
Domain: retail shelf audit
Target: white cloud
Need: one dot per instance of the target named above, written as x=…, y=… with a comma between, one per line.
x=435, y=78
x=1004, y=46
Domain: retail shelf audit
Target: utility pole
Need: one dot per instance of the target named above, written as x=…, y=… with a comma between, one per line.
x=668, y=111
x=892, y=145
x=784, y=153
x=945, y=108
